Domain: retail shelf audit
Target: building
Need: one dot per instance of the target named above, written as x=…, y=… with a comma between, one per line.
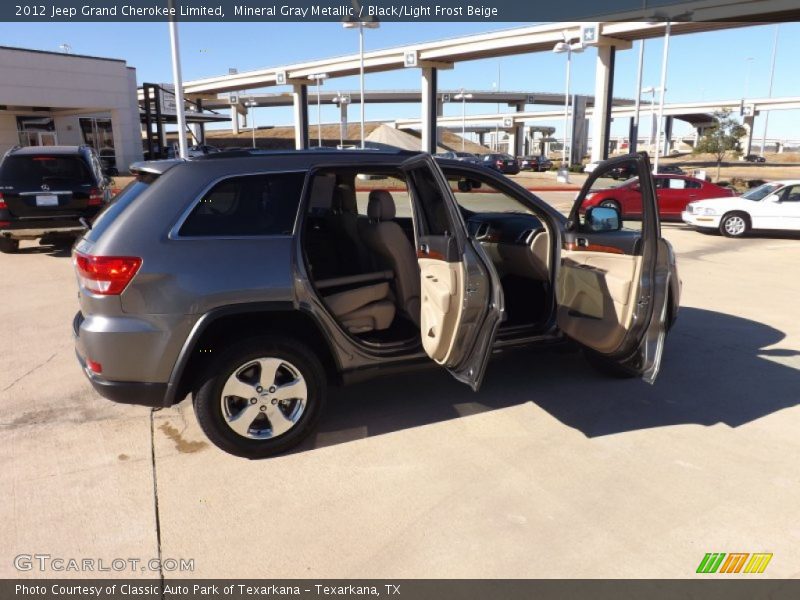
x=49, y=98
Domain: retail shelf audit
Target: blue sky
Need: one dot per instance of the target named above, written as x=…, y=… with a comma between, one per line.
x=705, y=66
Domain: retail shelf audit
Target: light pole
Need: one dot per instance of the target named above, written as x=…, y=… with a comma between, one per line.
x=361, y=25
x=652, y=91
x=633, y=143
x=769, y=95
x=251, y=104
x=568, y=48
x=318, y=77
x=463, y=97
x=177, y=80
x=664, y=63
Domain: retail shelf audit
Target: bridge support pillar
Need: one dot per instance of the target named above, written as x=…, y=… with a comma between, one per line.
x=234, y=120
x=748, y=123
x=300, y=96
x=430, y=106
x=603, y=92
x=667, y=147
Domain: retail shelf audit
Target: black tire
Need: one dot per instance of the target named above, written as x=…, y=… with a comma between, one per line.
x=607, y=367
x=734, y=224
x=611, y=204
x=208, y=401
x=8, y=245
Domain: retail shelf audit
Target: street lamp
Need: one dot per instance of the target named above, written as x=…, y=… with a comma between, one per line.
x=633, y=143
x=663, y=89
x=568, y=48
x=771, y=79
x=318, y=77
x=361, y=25
x=463, y=97
x=252, y=104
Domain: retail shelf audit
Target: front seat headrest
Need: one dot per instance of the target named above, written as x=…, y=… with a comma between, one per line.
x=381, y=206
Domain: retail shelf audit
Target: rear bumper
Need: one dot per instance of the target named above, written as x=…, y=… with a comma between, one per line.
x=124, y=392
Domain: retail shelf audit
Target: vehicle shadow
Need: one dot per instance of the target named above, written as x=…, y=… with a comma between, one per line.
x=715, y=370
x=58, y=250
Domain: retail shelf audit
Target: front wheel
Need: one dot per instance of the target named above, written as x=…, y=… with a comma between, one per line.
x=734, y=225
x=262, y=397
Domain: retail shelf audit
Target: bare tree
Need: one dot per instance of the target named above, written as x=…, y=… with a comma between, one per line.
x=721, y=138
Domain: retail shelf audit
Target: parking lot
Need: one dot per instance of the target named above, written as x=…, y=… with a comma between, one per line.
x=549, y=471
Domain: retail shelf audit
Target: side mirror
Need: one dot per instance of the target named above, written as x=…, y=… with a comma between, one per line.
x=464, y=185
x=773, y=198
x=602, y=218
x=636, y=187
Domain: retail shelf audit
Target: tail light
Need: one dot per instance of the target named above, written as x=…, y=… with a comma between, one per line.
x=95, y=197
x=106, y=275
x=499, y=163
x=3, y=204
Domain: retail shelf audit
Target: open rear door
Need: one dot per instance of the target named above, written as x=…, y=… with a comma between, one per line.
x=461, y=299
x=611, y=297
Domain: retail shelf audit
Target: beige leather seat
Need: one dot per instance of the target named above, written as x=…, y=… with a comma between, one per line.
x=363, y=309
x=385, y=237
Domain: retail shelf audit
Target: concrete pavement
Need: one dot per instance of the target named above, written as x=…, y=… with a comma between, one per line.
x=549, y=471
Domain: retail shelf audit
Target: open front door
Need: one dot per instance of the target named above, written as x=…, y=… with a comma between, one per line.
x=461, y=299
x=611, y=296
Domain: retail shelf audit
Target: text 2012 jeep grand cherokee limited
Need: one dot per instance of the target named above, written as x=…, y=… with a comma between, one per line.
x=251, y=280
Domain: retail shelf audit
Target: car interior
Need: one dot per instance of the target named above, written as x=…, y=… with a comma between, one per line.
x=361, y=256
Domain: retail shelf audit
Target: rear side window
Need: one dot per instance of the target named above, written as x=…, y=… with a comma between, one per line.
x=118, y=204
x=33, y=171
x=247, y=205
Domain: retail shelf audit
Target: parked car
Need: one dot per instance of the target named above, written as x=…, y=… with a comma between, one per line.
x=674, y=193
x=534, y=163
x=772, y=206
x=45, y=191
x=625, y=172
x=200, y=150
x=254, y=282
x=754, y=158
x=462, y=156
x=504, y=163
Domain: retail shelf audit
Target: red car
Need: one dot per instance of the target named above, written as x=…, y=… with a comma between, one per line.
x=674, y=193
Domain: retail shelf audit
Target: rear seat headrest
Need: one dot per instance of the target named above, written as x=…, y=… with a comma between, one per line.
x=344, y=200
x=381, y=206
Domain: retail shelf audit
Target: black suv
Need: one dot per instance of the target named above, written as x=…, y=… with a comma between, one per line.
x=45, y=191
x=253, y=280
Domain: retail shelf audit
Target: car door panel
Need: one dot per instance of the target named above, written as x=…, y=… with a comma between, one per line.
x=461, y=296
x=609, y=298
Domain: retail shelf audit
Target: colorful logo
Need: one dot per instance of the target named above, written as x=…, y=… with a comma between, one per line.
x=735, y=562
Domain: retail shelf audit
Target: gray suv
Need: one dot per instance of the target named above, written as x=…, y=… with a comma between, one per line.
x=253, y=280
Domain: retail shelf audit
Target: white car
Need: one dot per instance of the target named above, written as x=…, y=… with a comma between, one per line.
x=774, y=205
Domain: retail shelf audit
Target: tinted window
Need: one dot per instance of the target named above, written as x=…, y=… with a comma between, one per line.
x=429, y=198
x=27, y=171
x=251, y=205
x=118, y=204
x=692, y=185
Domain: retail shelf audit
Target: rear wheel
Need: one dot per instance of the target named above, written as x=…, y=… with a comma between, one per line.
x=734, y=224
x=8, y=246
x=261, y=397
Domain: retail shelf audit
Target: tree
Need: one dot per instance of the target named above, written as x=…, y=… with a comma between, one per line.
x=721, y=138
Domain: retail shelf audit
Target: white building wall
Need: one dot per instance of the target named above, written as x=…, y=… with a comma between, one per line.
x=70, y=86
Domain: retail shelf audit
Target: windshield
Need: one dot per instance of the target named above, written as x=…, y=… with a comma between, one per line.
x=761, y=191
